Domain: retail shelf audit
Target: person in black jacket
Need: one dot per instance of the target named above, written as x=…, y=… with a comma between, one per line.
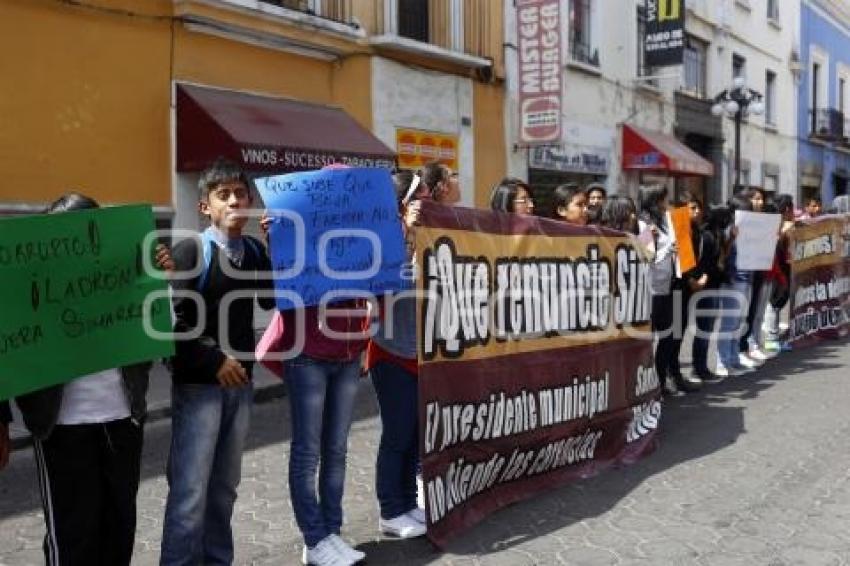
x=87, y=437
x=212, y=391
x=699, y=285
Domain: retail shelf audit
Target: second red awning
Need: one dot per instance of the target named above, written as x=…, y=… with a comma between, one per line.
x=646, y=150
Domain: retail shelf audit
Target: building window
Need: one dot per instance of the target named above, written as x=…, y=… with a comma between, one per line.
x=413, y=19
x=773, y=10
x=643, y=70
x=815, y=95
x=770, y=98
x=739, y=67
x=771, y=183
x=695, y=66
x=581, y=46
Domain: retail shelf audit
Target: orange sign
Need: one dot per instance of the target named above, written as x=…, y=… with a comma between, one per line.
x=417, y=147
x=680, y=219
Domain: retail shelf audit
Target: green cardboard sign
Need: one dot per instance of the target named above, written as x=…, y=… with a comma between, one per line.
x=72, y=294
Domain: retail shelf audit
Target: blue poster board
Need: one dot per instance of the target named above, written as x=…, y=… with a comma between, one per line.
x=333, y=231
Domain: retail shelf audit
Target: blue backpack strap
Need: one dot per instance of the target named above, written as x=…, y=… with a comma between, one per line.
x=207, y=244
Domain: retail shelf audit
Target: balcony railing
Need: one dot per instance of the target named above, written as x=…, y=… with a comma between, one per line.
x=336, y=10
x=466, y=27
x=828, y=124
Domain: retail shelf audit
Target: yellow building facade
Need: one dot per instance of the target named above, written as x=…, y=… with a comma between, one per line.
x=90, y=96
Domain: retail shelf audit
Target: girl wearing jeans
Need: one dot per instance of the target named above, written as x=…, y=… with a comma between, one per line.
x=391, y=361
x=322, y=384
x=734, y=305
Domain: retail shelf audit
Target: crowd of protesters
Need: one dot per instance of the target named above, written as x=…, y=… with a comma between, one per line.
x=740, y=311
x=88, y=433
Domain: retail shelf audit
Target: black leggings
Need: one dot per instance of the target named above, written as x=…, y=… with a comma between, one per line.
x=662, y=329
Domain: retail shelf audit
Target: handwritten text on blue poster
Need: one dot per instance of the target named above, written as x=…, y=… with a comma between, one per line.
x=334, y=231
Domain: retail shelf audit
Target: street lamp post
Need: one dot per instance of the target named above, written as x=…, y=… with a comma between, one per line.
x=737, y=102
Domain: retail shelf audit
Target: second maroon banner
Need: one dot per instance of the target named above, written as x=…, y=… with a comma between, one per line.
x=820, y=280
x=536, y=362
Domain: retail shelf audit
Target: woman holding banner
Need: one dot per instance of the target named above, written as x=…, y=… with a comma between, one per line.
x=569, y=204
x=512, y=195
x=392, y=364
x=735, y=297
x=750, y=343
x=322, y=381
x=619, y=213
x=653, y=221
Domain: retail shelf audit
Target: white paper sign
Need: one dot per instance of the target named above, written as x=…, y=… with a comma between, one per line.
x=758, y=233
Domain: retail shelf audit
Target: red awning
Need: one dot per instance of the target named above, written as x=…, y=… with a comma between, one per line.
x=645, y=150
x=269, y=134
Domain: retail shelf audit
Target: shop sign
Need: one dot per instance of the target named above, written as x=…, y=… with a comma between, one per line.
x=665, y=32
x=572, y=158
x=540, y=70
x=415, y=148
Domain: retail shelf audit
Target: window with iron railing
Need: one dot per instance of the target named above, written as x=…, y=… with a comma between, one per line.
x=581, y=45
x=335, y=10
x=300, y=5
x=827, y=124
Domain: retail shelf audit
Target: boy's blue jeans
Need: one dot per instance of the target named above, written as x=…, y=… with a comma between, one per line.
x=398, y=452
x=209, y=425
x=321, y=396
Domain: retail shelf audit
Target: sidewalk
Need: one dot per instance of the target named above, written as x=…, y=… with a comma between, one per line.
x=266, y=386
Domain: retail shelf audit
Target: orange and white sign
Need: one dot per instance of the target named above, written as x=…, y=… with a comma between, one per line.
x=415, y=148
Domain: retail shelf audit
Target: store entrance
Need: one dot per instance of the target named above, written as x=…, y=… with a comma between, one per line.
x=543, y=184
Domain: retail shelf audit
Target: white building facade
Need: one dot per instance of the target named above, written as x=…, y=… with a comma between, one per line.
x=609, y=93
x=757, y=40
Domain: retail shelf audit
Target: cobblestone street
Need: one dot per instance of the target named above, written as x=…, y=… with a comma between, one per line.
x=755, y=470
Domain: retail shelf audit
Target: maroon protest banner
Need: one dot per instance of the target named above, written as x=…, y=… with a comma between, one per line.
x=535, y=357
x=820, y=279
x=540, y=72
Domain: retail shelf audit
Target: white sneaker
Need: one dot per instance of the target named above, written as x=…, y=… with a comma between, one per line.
x=748, y=362
x=323, y=554
x=726, y=371
x=757, y=355
x=402, y=526
x=345, y=550
x=418, y=515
